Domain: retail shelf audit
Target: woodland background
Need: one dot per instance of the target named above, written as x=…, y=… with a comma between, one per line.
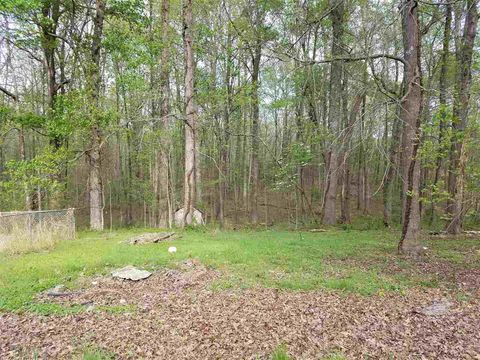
x=253, y=111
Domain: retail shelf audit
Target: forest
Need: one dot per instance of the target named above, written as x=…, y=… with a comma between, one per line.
x=342, y=134
x=252, y=112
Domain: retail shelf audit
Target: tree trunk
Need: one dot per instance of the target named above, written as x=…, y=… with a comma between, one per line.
x=93, y=153
x=254, y=193
x=224, y=151
x=164, y=192
x=190, y=186
x=366, y=188
x=48, y=27
x=410, y=116
x=334, y=113
x=460, y=119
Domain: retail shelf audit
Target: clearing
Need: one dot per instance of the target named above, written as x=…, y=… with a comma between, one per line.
x=243, y=295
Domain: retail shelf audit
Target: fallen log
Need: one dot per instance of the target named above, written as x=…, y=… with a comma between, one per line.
x=151, y=238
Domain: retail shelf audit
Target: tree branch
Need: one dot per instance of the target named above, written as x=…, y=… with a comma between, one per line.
x=359, y=58
x=350, y=58
x=8, y=93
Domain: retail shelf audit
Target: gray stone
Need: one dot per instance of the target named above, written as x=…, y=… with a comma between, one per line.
x=438, y=307
x=317, y=230
x=58, y=290
x=197, y=217
x=131, y=273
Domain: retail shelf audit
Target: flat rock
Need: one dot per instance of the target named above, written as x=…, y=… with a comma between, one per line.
x=317, y=230
x=151, y=238
x=58, y=290
x=130, y=273
x=438, y=307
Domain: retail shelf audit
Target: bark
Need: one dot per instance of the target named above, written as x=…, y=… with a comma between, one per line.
x=190, y=186
x=460, y=119
x=224, y=151
x=48, y=25
x=299, y=111
x=129, y=188
x=411, y=109
x=345, y=214
x=254, y=193
x=93, y=153
x=366, y=188
x=164, y=191
x=334, y=113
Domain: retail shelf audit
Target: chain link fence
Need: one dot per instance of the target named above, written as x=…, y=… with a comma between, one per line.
x=31, y=230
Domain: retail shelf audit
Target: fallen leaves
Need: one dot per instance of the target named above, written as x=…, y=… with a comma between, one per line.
x=180, y=317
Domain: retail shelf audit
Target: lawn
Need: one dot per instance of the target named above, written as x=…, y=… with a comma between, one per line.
x=361, y=262
x=265, y=294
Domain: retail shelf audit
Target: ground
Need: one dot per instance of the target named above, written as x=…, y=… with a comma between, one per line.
x=243, y=295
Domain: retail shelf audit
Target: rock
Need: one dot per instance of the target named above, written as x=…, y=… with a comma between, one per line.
x=58, y=290
x=131, y=273
x=151, y=238
x=437, y=308
x=172, y=249
x=317, y=230
x=123, y=302
x=197, y=217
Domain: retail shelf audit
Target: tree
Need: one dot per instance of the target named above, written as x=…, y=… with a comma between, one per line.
x=334, y=113
x=191, y=141
x=411, y=108
x=94, y=80
x=456, y=171
x=165, y=191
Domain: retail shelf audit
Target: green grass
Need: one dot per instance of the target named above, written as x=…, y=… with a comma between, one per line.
x=462, y=251
x=94, y=353
x=280, y=353
x=279, y=259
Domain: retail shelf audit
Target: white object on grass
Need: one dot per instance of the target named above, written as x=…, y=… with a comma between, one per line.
x=172, y=249
x=197, y=217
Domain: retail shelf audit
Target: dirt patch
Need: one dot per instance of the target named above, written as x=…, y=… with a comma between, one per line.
x=178, y=316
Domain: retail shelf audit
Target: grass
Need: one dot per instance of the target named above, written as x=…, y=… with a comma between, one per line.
x=280, y=353
x=18, y=242
x=282, y=259
x=94, y=353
